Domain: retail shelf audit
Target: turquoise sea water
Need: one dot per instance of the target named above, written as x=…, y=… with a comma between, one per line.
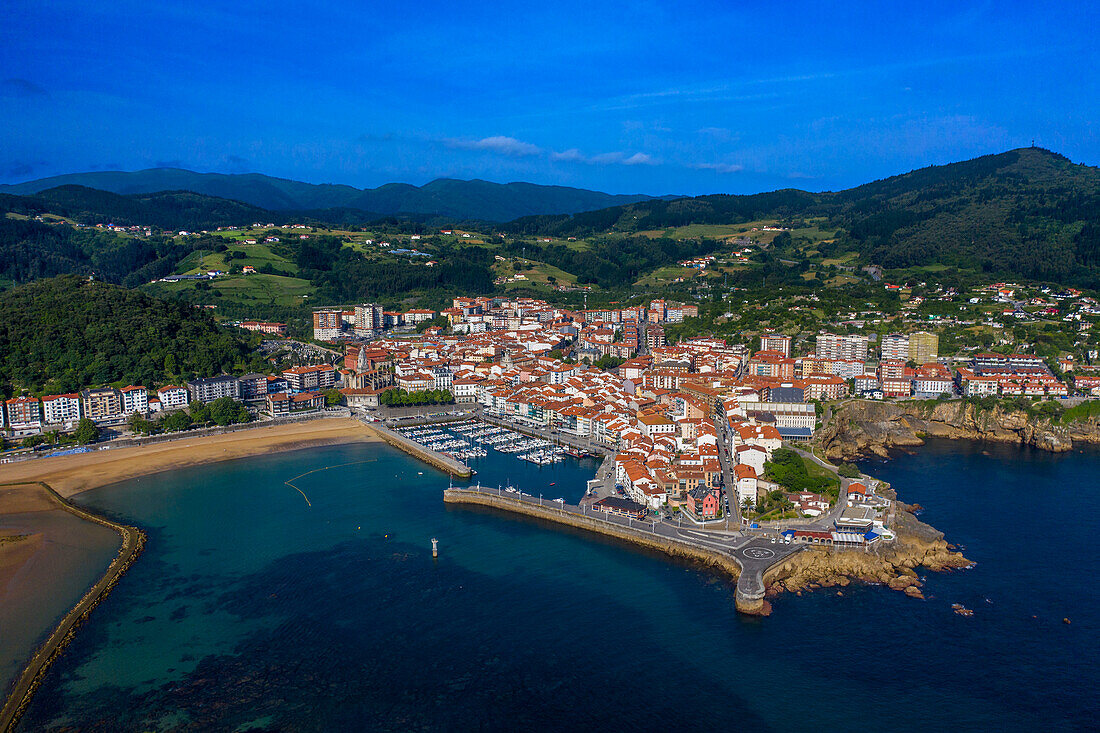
x=252, y=609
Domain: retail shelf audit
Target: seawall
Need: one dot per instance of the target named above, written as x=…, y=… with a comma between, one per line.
x=431, y=457
x=133, y=542
x=749, y=601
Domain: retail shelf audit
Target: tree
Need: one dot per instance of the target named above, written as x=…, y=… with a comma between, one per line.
x=86, y=432
x=176, y=422
x=226, y=410
x=333, y=397
x=847, y=470
x=32, y=440
x=139, y=424
x=200, y=413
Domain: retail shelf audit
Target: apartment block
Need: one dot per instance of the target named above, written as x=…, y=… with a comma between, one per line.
x=923, y=347
x=172, y=397
x=134, y=399
x=840, y=346
x=775, y=342
x=212, y=388
x=895, y=347
x=61, y=409
x=328, y=325
x=369, y=319
x=305, y=378
x=23, y=413
x=102, y=403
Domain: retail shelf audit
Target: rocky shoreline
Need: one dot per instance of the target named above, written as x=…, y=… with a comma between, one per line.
x=893, y=565
x=864, y=427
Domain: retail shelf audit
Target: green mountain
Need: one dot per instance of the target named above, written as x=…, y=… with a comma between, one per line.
x=162, y=210
x=61, y=334
x=1026, y=212
x=460, y=200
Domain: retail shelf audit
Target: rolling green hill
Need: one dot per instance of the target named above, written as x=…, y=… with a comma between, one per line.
x=164, y=209
x=1026, y=212
x=458, y=200
x=65, y=333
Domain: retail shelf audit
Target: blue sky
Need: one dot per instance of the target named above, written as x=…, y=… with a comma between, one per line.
x=654, y=97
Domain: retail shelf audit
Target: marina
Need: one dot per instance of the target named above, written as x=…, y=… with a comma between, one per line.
x=472, y=439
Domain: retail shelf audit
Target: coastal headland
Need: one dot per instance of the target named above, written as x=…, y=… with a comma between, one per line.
x=861, y=427
x=893, y=564
x=37, y=506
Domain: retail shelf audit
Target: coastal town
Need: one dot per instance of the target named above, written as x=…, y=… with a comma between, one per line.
x=702, y=430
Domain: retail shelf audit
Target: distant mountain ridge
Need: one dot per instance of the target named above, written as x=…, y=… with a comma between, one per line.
x=444, y=197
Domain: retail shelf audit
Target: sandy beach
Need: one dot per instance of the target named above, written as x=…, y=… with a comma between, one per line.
x=49, y=557
x=69, y=475
x=42, y=539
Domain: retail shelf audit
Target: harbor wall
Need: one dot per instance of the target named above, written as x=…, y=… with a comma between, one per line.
x=431, y=457
x=710, y=558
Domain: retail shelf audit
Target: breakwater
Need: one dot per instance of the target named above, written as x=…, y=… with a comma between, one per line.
x=431, y=457
x=750, y=586
x=132, y=543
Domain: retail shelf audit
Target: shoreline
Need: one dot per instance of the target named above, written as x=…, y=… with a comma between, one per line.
x=810, y=567
x=36, y=668
x=862, y=428
x=63, y=477
x=73, y=474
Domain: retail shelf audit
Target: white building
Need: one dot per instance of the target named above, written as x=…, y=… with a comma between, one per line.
x=172, y=397
x=61, y=409
x=895, y=347
x=747, y=484
x=834, y=346
x=134, y=399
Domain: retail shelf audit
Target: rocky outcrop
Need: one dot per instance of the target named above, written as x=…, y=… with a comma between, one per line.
x=893, y=564
x=862, y=427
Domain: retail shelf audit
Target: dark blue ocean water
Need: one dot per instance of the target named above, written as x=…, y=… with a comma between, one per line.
x=253, y=610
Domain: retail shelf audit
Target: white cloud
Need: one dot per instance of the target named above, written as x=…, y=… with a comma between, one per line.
x=614, y=158
x=720, y=167
x=571, y=155
x=639, y=159
x=498, y=144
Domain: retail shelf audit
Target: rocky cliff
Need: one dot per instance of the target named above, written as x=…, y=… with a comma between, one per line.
x=862, y=427
x=893, y=564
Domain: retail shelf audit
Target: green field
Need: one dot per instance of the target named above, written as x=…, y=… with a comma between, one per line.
x=537, y=273
x=243, y=290
x=256, y=255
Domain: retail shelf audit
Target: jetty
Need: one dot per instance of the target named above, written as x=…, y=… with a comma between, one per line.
x=131, y=545
x=435, y=458
x=745, y=558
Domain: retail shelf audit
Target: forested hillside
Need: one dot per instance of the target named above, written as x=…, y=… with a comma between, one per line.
x=341, y=274
x=161, y=210
x=1026, y=212
x=65, y=333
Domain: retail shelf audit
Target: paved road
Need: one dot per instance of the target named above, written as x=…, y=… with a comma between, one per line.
x=752, y=553
x=729, y=480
